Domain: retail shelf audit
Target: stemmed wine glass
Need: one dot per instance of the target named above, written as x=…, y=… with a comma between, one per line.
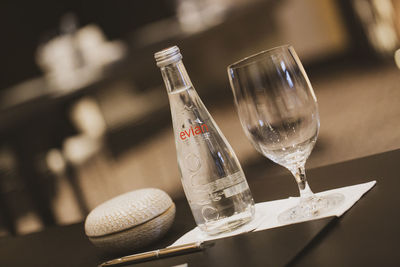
x=278, y=111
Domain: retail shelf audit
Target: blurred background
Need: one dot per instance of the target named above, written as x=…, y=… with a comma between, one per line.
x=84, y=115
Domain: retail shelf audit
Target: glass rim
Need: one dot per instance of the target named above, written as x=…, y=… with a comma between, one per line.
x=247, y=60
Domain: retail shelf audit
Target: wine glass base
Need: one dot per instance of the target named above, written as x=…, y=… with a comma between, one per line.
x=310, y=208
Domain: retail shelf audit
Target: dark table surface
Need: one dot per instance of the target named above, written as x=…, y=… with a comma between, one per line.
x=366, y=235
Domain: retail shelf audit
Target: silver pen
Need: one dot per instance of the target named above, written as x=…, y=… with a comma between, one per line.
x=159, y=253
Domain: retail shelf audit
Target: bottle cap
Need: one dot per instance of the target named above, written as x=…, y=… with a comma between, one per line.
x=167, y=56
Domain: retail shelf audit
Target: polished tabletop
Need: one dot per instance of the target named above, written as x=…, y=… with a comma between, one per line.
x=366, y=235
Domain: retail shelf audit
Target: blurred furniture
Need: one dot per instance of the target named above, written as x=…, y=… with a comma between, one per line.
x=367, y=235
x=33, y=120
x=81, y=148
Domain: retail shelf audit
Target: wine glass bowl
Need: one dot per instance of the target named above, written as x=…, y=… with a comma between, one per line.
x=278, y=111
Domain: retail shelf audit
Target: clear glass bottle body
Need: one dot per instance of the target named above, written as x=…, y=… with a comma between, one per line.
x=214, y=183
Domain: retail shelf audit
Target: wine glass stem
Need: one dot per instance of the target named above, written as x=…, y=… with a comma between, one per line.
x=300, y=176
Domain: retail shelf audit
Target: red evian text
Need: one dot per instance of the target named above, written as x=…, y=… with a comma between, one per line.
x=193, y=131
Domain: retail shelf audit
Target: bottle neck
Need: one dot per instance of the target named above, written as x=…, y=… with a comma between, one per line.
x=175, y=77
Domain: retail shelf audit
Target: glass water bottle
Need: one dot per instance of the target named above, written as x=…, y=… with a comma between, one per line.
x=212, y=178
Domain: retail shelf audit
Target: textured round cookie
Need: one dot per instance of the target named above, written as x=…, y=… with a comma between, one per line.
x=131, y=220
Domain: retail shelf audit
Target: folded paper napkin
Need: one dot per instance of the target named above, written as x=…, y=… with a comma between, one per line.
x=266, y=215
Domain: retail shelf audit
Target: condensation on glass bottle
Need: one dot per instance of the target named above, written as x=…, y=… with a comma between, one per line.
x=212, y=178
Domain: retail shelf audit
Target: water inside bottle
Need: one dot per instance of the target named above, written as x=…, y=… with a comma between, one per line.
x=212, y=178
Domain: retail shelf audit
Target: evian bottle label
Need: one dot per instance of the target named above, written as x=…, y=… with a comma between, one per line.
x=183, y=135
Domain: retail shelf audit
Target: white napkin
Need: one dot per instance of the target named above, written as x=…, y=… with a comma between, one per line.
x=266, y=215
